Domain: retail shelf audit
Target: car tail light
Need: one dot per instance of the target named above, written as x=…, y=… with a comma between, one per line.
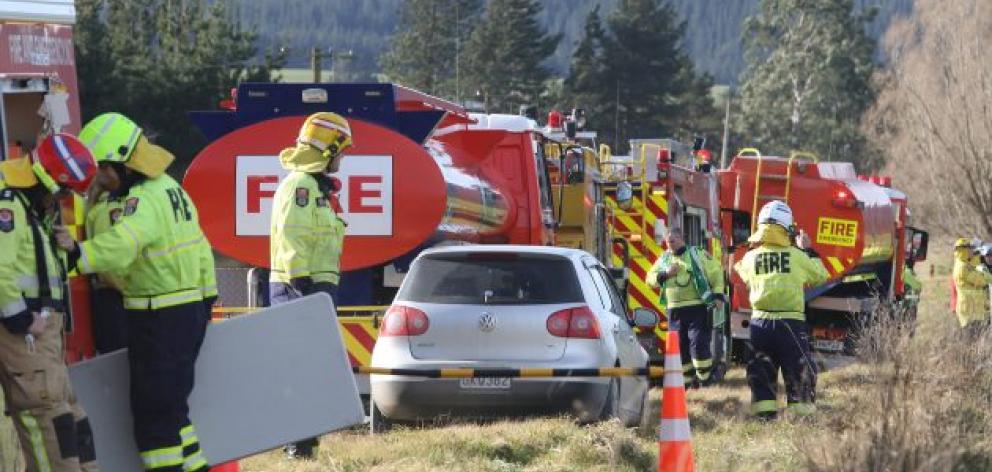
x=576, y=322
x=404, y=321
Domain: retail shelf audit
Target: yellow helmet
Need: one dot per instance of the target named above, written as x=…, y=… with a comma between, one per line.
x=111, y=137
x=328, y=132
x=966, y=243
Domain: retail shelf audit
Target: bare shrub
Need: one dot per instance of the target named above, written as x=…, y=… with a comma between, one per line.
x=925, y=404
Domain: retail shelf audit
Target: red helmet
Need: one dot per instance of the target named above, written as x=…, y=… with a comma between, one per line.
x=704, y=155
x=61, y=160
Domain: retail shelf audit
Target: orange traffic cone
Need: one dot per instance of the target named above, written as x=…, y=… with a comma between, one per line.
x=232, y=466
x=674, y=437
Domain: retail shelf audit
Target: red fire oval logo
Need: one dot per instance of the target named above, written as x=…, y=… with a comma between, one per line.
x=390, y=192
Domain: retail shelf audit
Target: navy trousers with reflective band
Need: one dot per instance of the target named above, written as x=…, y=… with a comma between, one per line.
x=163, y=346
x=780, y=344
x=109, y=320
x=695, y=336
x=281, y=293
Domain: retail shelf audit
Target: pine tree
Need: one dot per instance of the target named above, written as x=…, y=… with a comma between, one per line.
x=634, y=79
x=808, y=79
x=156, y=60
x=506, y=54
x=92, y=60
x=588, y=70
x=426, y=54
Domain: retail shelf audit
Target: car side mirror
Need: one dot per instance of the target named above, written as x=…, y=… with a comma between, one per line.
x=645, y=318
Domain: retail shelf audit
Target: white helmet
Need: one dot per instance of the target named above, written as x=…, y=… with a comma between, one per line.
x=985, y=249
x=776, y=212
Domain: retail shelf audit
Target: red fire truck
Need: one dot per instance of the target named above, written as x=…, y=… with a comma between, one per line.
x=859, y=225
x=39, y=95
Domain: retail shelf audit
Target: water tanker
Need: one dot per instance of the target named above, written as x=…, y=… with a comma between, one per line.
x=422, y=172
x=860, y=229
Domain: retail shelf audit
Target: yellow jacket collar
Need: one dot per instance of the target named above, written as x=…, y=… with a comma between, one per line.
x=964, y=254
x=770, y=234
x=149, y=159
x=18, y=173
x=303, y=158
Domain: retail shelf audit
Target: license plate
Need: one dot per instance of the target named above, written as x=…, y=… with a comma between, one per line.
x=499, y=383
x=828, y=345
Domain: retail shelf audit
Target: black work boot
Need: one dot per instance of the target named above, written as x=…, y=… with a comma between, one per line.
x=303, y=450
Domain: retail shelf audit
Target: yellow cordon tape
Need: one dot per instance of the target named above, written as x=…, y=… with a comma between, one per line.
x=652, y=372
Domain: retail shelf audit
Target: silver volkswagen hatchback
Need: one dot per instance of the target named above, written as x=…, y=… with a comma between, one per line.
x=500, y=306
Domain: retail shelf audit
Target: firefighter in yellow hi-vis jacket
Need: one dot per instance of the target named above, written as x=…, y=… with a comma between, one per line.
x=691, y=280
x=306, y=234
x=775, y=273
x=53, y=430
x=972, y=286
x=168, y=285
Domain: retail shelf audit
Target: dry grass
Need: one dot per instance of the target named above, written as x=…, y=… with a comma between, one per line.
x=925, y=404
x=725, y=439
x=553, y=444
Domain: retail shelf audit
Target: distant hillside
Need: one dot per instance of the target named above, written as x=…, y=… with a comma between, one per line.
x=364, y=26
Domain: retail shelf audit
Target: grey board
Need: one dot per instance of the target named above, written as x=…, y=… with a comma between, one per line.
x=262, y=380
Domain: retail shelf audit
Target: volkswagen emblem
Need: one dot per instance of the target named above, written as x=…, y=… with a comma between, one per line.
x=487, y=322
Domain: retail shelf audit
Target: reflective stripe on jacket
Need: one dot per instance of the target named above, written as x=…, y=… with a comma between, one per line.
x=306, y=234
x=157, y=244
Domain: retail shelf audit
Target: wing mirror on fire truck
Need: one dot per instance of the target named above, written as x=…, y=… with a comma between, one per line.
x=645, y=318
x=625, y=195
x=920, y=241
x=575, y=166
x=740, y=227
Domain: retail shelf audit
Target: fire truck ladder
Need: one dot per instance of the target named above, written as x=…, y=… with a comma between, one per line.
x=758, y=177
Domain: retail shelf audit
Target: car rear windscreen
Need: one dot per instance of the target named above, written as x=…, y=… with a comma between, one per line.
x=488, y=278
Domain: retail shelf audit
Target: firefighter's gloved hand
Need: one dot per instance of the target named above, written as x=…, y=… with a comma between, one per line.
x=38, y=324
x=302, y=285
x=64, y=239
